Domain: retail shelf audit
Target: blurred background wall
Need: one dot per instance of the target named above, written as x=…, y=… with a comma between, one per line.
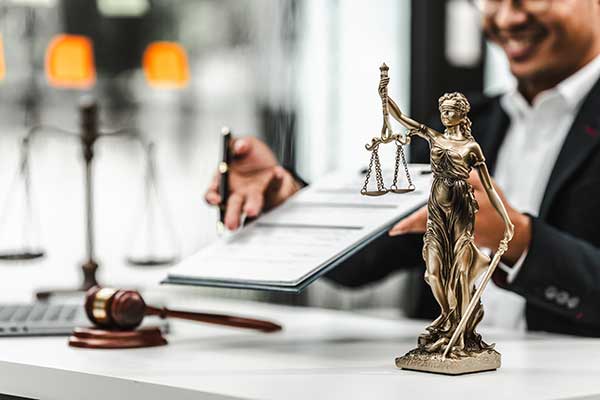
x=301, y=74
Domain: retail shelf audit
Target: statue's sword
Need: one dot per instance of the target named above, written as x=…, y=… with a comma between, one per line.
x=486, y=278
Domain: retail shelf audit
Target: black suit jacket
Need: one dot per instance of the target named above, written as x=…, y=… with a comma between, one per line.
x=560, y=277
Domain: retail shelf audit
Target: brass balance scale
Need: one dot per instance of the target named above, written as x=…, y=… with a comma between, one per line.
x=28, y=246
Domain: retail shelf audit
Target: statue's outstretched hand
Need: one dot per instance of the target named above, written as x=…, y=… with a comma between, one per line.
x=382, y=89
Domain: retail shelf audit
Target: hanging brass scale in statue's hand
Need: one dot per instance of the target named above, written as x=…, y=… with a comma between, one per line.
x=387, y=136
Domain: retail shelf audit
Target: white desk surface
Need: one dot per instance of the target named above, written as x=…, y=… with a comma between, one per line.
x=321, y=354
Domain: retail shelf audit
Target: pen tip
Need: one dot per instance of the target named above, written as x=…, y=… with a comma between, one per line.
x=225, y=130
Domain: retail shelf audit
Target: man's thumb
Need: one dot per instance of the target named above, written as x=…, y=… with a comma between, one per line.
x=241, y=147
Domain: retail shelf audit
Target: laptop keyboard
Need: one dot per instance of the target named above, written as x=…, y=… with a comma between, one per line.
x=40, y=319
x=43, y=319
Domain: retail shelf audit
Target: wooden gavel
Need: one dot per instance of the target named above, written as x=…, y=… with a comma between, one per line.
x=118, y=309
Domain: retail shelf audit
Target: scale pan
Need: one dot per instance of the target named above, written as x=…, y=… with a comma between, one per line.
x=396, y=189
x=21, y=256
x=373, y=192
x=151, y=262
x=400, y=191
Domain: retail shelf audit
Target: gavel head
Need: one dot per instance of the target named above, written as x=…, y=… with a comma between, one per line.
x=114, y=309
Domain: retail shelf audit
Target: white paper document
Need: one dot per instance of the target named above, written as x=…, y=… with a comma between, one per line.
x=287, y=248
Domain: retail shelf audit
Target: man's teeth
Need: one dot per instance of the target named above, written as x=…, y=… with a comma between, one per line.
x=518, y=44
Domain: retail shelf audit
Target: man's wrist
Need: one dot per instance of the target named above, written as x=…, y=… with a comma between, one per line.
x=292, y=182
x=281, y=188
x=521, y=239
x=299, y=182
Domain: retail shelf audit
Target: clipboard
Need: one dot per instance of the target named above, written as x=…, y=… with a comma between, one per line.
x=332, y=203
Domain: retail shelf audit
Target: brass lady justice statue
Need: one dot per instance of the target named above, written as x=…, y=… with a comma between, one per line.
x=453, y=262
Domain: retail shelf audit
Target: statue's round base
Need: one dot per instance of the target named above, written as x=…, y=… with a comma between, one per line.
x=420, y=360
x=92, y=338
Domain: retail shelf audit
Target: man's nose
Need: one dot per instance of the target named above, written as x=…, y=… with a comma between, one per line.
x=509, y=14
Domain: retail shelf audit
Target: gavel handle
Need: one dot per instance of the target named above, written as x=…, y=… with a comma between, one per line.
x=218, y=319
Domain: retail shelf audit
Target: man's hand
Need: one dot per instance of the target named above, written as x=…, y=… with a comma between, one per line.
x=489, y=227
x=256, y=181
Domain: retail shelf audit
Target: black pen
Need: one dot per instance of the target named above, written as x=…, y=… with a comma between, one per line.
x=224, y=178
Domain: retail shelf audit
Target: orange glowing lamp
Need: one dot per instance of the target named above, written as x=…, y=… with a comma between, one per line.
x=2, y=64
x=70, y=62
x=166, y=66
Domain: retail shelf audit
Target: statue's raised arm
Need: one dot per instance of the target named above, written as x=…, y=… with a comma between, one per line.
x=389, y=106
x=414, y=127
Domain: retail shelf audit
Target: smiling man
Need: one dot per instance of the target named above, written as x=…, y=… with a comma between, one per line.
x=541, y=141
x=545, y=41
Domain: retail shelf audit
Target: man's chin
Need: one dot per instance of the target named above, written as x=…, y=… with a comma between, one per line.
x=529, y=71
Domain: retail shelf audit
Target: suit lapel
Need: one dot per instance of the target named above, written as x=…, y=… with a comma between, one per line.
x=579, y=144
x=496, y=128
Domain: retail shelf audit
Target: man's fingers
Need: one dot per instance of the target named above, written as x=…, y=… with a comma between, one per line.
x=212, y=193
x=254, y=204
x=212, y=198
x=272, y=190
x=414, y=223
x=234, y=211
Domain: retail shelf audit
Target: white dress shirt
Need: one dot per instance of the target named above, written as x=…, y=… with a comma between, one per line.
x=525, y=161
